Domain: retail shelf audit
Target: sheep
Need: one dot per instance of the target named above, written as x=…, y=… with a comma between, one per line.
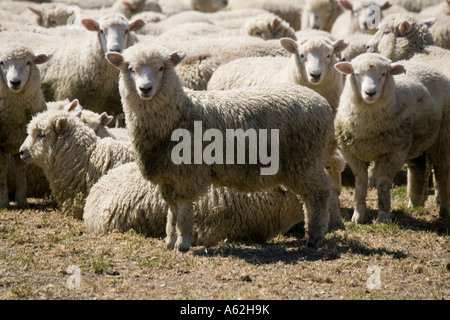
x=414, y=5
x=123, y=200
x=357, y=17
x=72, y=156
x=269, y=26
x=310, y=65
x=52, y=14
x=308, y=33
x=440, y=30
x=159, y=99
x=320, y=14
x=81, y=71
x=392, y=122
x=288, y=10
x=20, y=98
x=176, y=6
x=357, y=44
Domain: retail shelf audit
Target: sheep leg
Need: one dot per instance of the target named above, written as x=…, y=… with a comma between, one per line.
x=417, y=186
x=171, y=236
x=442, y=176
x=359, y=169
x=316, y=196
x=21, y=183
x=335, y=212
x=4, y=198
x=385, y=172
x=184, y=224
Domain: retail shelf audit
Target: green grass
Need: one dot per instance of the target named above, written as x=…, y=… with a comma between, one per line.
x=386, y=228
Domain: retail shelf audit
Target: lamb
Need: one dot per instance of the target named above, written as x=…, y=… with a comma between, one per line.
x=310, y=65
x=20, y=98
x=123, y=200
x=320, y=14
x=357, y=17
x=155, y=105
x=392, y=122
x=72, y=156
x=81, y=71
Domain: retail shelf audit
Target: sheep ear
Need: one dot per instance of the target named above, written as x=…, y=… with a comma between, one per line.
x=40, y=58
x=105, y=119
x=385, y=6
x=289, y=44
x=72, y=106
x=126, y=4
x=137, y=24
x=344, y=67
x=90, y=24
x=429, y=22
x=61, y=126
x=339, y=46
x=346, y=4
x=397, y=69
x=116, y=59
x=404, y=28
x=35, y=11
x=176, y=57
x=276, y=23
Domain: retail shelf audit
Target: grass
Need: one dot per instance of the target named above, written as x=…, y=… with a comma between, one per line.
x=37, y=246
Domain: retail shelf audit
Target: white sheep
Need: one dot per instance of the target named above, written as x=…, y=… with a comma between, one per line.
x=392, y=122
x=441, y=28
x=415, y=5
x=80, y=71
x=288, y=10
x=320, y=14
x=357, y=44
x=310, y=65
x=20, y=98
x=269, y=26
x=156, y=105
x=358, y=17
x=72, y=156
x=171, y=7
x=123, y=200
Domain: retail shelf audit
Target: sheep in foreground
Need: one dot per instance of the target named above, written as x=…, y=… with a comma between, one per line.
x=123, y=200
x=72, y=156
x=310, y=65
x=320, y=14
x=156, y=105
x=392, y=122
x=20, y=98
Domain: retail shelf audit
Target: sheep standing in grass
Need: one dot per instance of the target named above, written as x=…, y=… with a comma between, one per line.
x=310, y=65
x=20, y=98
x=72, y=156
x=320, y=14
x=156, y=105
x=391, y=119
x=123, y=200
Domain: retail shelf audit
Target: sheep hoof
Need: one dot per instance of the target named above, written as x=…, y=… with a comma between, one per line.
x=170, y=242
x=314, y=242
x=357, y=217
x=183, y=243
x=444, y=213
x=384, y=217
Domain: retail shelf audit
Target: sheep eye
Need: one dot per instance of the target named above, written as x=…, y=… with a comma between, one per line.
x=131, y=70
x=302, y=56
x=161, y=69
x=28, y=63
x=383, y=75
x=386, y=31
x=126, y=31
x=53, y=23
x=328, y=56
x=102, y=32
x=2, y=63
x=40, y=135
x=258, y=33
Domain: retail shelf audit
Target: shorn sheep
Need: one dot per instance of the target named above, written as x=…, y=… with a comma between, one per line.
x=123, y=200
x=20, y=98
x=159, y=112
x=392, y=118
x=72, y=156
x=311, y=65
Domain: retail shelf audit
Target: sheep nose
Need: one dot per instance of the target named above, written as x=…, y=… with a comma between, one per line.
x=315, y=76
x=146, y=90
x=15, y=83
x=115, y=49
x=370, y=93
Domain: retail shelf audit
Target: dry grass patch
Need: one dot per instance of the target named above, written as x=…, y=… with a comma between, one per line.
x=39, y=246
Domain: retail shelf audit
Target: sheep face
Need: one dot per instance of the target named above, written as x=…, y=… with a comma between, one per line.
x=314, y=56
x=361, y=13
x=113, y=31
x=319, y=12
x=145, y=75
x=209, y=5
x=369, y=73
x=392, y=37
x=17, y=65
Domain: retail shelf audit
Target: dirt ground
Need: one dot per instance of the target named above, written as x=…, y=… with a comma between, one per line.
x=44, y=255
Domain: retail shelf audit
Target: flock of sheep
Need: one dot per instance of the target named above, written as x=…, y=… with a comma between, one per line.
x=339, y=91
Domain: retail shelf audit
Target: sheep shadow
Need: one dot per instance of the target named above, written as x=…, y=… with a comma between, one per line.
x=440, y=226
x=295, y=251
